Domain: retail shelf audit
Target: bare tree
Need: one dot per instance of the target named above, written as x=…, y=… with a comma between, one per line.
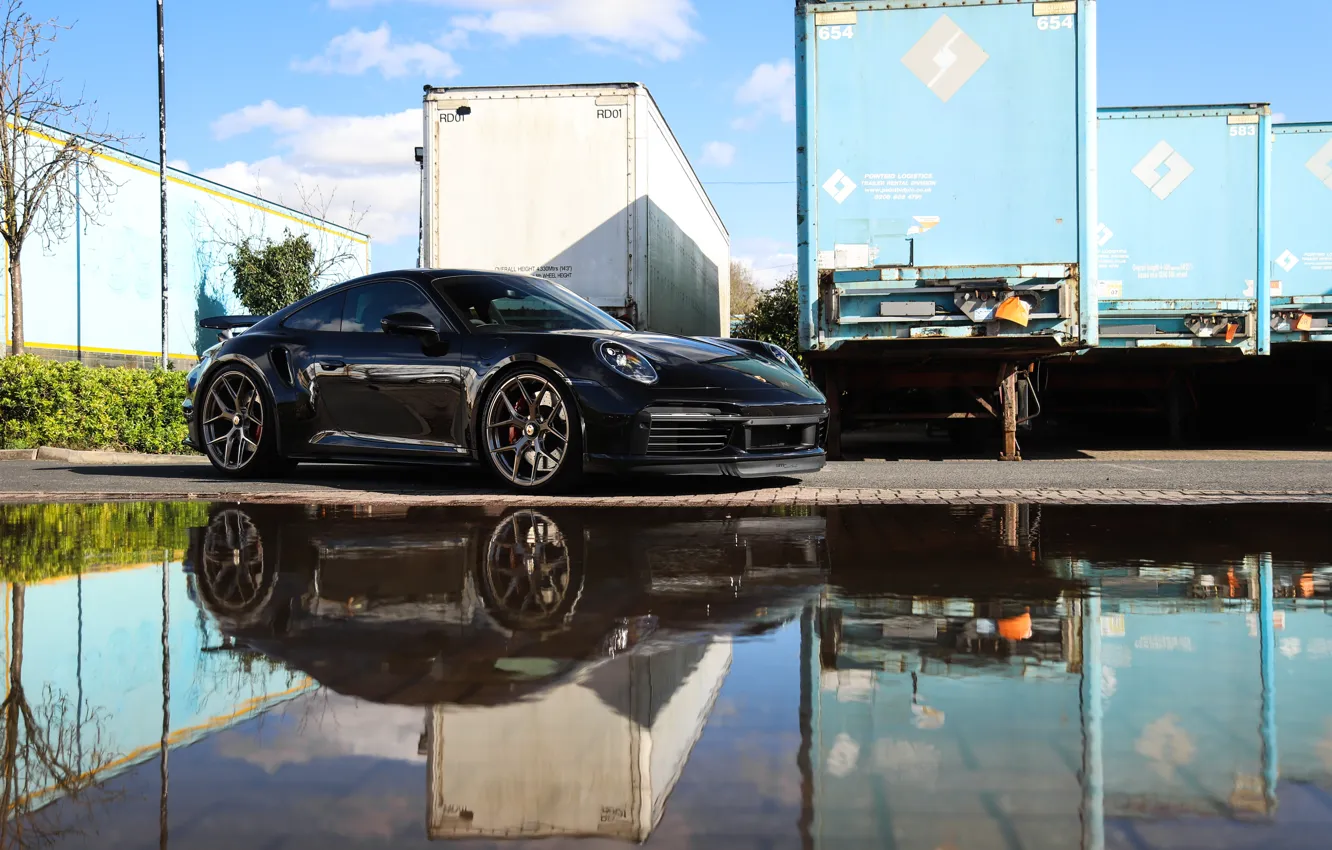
x=744, y=291
x=47, y=751
x=49, y=147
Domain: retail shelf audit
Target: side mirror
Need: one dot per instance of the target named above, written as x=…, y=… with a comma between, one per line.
x=411, y=324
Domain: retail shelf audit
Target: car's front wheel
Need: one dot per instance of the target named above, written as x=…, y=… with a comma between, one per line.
x=238, y=425
x=530, y=434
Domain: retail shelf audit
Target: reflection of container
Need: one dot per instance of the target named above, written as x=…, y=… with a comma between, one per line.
x=584, y=185
x=594, y=757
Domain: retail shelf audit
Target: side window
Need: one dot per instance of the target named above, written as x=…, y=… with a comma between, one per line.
x=323, y=315
x=367, y=305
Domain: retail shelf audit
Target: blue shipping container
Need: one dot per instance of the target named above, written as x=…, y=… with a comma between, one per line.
x=1302, y=232
x=946, y=157
x=1183, y=228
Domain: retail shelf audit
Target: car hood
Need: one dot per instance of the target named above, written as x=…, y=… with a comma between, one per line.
x=689, y=362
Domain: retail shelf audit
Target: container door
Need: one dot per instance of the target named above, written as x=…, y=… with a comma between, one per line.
x=1301, y=234
x=1179, y=208
x=951, y=130
x=536, y=183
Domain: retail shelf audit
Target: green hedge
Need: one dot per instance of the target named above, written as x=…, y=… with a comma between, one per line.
x=39, y=542
x=72, y=406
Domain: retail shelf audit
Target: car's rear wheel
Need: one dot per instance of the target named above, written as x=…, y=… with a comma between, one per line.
x=531, y=436
x=238, y=425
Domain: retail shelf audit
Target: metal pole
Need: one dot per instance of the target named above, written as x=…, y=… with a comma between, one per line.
x=1093, y=715
x=1267, y=664
x=162, y=166
x=164, y=745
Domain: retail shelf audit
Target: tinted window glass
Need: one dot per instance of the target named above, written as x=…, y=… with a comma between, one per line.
x=323, y=315
x=512, y=303
x=368, y=305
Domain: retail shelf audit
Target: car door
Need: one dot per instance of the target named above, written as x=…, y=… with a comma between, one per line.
x=395, y=394
x=313, y=350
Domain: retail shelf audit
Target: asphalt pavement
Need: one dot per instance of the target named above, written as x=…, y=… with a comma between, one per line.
x=1222, y=472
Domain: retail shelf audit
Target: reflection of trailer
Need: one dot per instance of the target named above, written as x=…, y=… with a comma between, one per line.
x=593, y=757
x=1149, y=693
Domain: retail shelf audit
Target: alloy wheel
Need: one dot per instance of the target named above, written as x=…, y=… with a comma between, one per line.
x=233, y=563
x=528, y=571
x=233, y=420
x=527, y=430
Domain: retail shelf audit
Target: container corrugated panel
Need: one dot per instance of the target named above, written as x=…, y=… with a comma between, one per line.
x=946, y=161
x=1183, y=227
x=1302, y=233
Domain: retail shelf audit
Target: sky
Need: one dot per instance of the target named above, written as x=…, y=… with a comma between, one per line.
x=321, y=98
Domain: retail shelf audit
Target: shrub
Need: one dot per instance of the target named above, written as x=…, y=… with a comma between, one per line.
x=775, y=317
x=39, y=542
x=72, y=406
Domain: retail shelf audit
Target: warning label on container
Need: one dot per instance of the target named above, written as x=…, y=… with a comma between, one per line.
x=1113, y=259
x=899, y=186
x=550, y=272
x=1163, y=271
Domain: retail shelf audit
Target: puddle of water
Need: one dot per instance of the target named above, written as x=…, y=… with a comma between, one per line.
x=195, y=675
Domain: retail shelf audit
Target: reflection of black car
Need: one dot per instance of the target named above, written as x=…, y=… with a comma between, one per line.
x=513, y=372
x=430, y=605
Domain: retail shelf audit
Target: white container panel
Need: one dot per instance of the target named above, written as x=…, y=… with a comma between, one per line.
x=688, y=250
x=534, y=182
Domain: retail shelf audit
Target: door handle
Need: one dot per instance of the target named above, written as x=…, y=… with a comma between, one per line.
x=332, y=365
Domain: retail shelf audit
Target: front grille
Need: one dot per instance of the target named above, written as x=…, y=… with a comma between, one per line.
x=676, y=437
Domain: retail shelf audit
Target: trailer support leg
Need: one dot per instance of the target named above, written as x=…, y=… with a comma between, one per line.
x=1008, y=397
x=833, y=390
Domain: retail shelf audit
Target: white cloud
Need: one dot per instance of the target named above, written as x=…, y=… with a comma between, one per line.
x=357, y=51
x=661, y=28
x=1278, y=118
x=769, y=91
x=363, y=163
x=769, y=259
x=720, y=154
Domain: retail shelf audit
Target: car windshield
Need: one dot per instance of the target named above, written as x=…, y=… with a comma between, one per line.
x=493, y=303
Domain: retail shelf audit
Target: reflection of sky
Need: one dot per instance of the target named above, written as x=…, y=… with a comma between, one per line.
x=325, y=771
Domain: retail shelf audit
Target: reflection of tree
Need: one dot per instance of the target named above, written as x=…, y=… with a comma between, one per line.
x=50, y=750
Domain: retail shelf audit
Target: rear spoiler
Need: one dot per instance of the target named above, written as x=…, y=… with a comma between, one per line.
x=230, y=323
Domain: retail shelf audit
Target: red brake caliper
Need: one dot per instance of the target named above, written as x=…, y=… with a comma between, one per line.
x=521, y=408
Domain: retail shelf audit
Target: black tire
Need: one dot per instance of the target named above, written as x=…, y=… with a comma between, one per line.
x=531, y=472
x=246, y=450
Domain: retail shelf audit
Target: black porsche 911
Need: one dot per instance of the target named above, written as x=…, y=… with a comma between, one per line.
x=516, y=373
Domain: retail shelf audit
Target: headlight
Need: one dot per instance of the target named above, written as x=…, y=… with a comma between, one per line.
x=782, y=356
x=623, y=359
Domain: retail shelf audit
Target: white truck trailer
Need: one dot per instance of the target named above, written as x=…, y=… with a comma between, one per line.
x=594, y=757
x=585, y=185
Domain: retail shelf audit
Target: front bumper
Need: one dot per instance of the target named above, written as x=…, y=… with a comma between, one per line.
x=711, y=437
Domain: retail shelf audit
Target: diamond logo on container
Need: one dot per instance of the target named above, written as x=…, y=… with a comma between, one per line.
x=1288, y=261
x=839, y=186
x=1103, y=236
x=1321, y=165
x=1148, y=170
x=945, y=58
